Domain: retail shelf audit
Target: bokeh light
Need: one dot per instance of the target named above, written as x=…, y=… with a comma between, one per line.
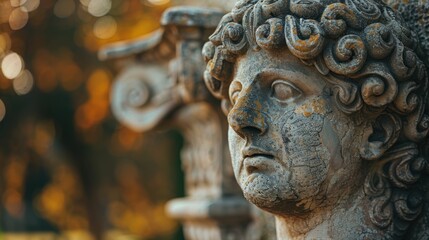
x=99, y=8
x=23, y=83
x=93, y=111
x=43, y=137
x=105, y=27
x=61, y=195
x=51, y=46
x=30, y=5
x=14, y=185
x=17, y=3
x=18, y=18
x=12, y=65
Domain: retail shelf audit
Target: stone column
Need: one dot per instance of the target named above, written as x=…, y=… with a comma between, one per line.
x=161, y=86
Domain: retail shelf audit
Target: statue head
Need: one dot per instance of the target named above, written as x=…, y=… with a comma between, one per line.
x=327, y=105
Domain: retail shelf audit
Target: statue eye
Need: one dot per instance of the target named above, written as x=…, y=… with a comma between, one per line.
x=234, y=91
x=284, y=91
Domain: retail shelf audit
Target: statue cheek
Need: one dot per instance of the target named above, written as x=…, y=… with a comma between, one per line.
x=330, y=140
x=236, y=143
x=304, y=153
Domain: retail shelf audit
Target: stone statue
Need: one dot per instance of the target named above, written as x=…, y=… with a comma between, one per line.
x=327, y=105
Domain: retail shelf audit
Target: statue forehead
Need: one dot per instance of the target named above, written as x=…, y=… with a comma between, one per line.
x=276, y=64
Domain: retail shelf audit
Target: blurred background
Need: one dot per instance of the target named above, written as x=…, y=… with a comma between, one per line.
x=68, y=169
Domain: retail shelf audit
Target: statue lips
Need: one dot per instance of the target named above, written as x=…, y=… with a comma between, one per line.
x=256, y=160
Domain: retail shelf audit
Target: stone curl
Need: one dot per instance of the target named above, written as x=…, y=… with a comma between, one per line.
x=367, y=55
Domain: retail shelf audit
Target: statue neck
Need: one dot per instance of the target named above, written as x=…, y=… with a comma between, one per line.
x=345, y=221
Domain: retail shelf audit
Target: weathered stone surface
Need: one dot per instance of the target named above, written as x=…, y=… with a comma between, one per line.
x=327, y=105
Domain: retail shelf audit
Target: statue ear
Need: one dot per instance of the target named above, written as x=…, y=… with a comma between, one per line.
x=380, y=136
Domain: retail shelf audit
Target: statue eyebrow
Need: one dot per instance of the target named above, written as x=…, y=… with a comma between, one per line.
x=298, y=78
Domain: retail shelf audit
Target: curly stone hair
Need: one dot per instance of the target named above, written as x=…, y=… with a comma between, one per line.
x=374, y=66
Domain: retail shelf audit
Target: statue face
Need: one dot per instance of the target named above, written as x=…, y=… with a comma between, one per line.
x=287, y=137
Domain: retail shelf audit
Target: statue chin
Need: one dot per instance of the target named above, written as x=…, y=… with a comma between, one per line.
x=272, y=195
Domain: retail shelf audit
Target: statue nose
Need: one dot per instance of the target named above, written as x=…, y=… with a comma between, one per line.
x=247, y=121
